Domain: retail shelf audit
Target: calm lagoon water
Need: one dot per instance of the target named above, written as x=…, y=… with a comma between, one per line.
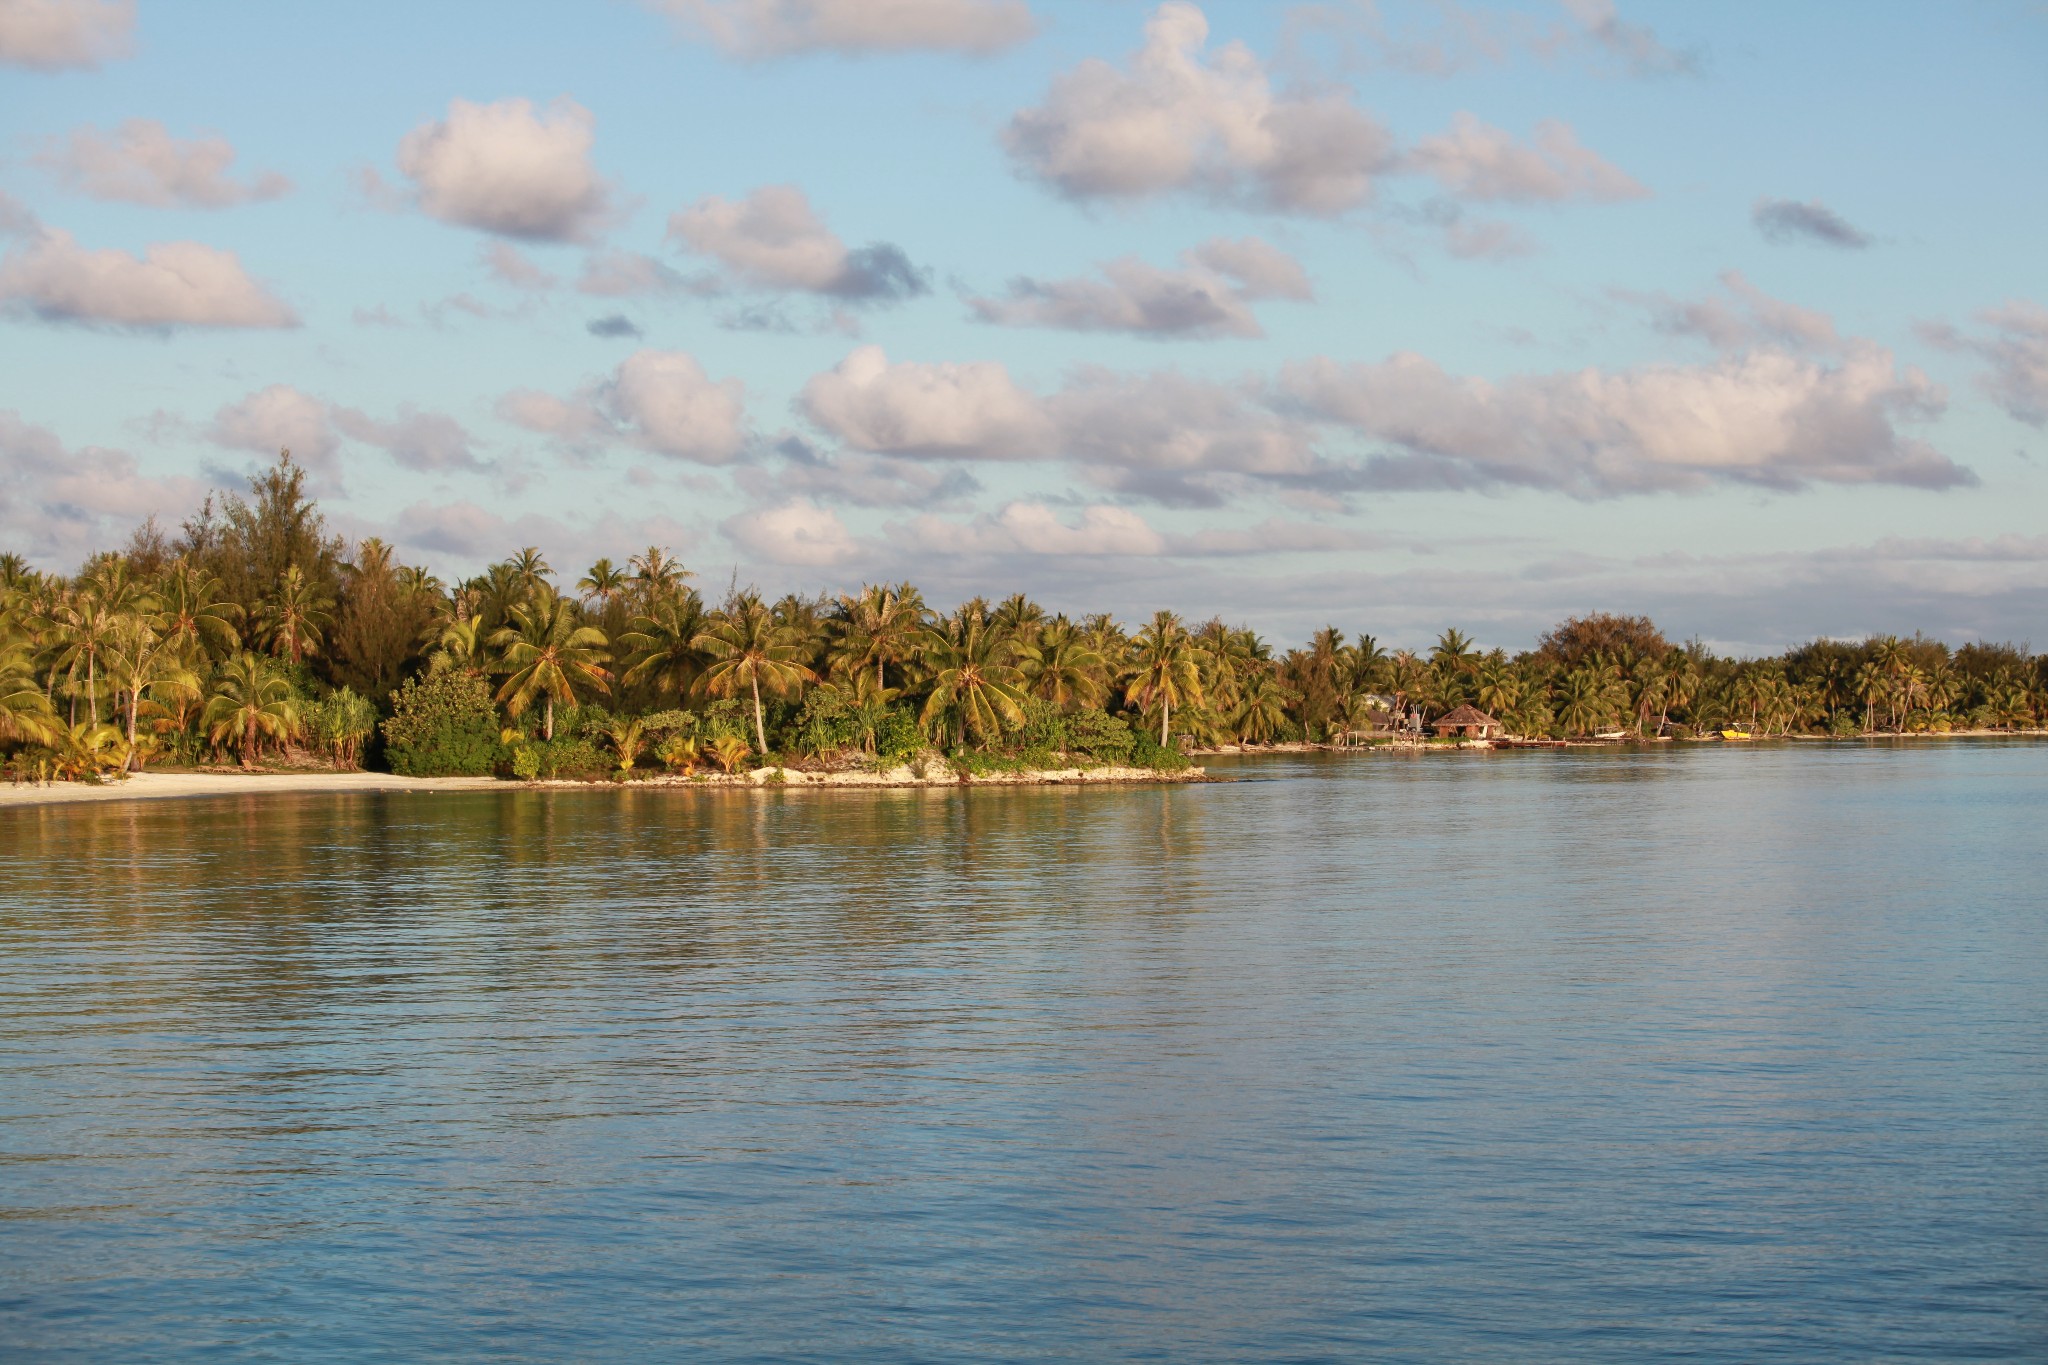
x=1700, y=1053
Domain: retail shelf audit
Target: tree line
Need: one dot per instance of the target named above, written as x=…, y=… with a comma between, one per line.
x=253, y=634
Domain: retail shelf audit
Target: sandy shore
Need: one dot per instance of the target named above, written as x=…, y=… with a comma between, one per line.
x=157, y=786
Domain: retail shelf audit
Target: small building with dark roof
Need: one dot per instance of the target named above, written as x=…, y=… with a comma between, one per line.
x=1467, y=722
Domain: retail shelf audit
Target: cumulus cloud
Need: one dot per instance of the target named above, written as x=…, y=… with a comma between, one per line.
x=1475, y=160
x=141, y=163
x=428, y=441
x=1181, y=119
x=276, y=418
x=1209, y=296
x=1766, y=417
x=772, y=239
x=1784, y=220
x=1168, y=422
x=794, y=532
x=50, y=35
x=172, y=284
x=659, y=400
x=282, y=417
x=58, y=503
x=757, y=29
x=1742, y=316
x=2017, y=350
x=510, y=169
x=912, y=408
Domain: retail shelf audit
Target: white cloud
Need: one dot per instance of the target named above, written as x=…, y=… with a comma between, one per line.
x=2018, y=353
x=59, y=504
x=773, y=239
x=1209, y=296
x=173, y=284
x=427, y=441
x=279, y=418
x=675, y=408
x=509, y=169
x=795, y=532
x=1765, y=417
x=660, y=400
x=912, y=408
x=779, y=28
x=1169, y=422
x=1180, y=119
x=141, y=163
x=49, y=35
x=1478, y=161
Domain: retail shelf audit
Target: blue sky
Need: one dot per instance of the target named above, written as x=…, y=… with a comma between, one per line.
x=1393, y=317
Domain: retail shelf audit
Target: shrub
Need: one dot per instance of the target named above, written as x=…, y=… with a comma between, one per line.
x=898, y=737
x=443, y=725
x=1147, y=752
x=1101, y=736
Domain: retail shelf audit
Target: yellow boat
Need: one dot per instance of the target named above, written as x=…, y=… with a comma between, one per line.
x=1737, y=734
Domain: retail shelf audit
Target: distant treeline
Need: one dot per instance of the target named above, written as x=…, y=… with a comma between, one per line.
x=255, y=634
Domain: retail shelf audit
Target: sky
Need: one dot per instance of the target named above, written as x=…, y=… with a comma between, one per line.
x=1384, y=315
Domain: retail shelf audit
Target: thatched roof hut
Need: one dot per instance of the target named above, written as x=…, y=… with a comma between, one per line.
x=1468, y=722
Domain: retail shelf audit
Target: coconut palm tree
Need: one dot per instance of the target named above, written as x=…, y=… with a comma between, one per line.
x=604, y=582
x=140, y=659
x=974, y=684
x=628, y=736
x=749, y=649
x=25, y=713
x=877, y=628
x=1059, y=667
x=530, y=570
x=1168, y=670
x=728, y=752
x=660, y=646
x=545, y=652
x=1018, y=617
x=296, y=615
x=250, y=701
x=195, y=615
x=461, y=646
x=1262, y=708
x=657, y=573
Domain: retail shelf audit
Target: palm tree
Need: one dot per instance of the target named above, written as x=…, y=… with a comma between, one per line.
x=140, y=660
x=604, y=582
x=877, y=628
x=1018, y=617
x=546, y=652
x=661, y=644
x=80, y=629
x=195, y=614
x=296, y=615
x=529, y=569
x=1169, y=672
x=1453, y=652
x=1262, y=710
x=748, y=648
x=25, y=713
x=1059, y=667
x=250, y=700
x=461, y=646
x=657, y=573
x=628, y=736
x=727, y=751
x=973, y=682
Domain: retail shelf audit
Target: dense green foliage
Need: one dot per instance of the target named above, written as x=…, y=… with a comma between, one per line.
x=443, y=725
x=253, y=635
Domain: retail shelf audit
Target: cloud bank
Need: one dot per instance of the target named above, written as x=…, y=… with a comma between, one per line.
x=172, y=284
x=761, y=29
x=141, y=163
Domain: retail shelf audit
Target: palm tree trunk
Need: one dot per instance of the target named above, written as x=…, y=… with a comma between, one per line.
x=547, y=717
x=760, y=730
x=133, y=766
x=1165, y=715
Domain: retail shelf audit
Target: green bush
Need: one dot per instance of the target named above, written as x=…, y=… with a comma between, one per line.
x=1147, y=752
x=897, y=737
x=1101, y=736
x=443, y=725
